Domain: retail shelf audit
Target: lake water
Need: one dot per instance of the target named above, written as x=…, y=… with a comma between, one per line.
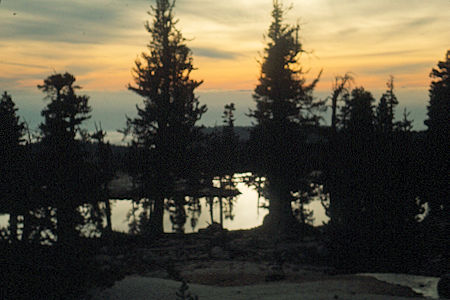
x=245, y=210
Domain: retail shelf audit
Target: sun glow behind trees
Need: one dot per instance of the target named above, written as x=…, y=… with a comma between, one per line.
x=96, y=41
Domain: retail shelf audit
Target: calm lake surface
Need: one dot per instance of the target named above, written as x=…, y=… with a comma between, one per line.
x=245, y=210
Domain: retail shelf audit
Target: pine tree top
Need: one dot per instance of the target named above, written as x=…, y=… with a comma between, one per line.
x=11, y=129
x=282, y=93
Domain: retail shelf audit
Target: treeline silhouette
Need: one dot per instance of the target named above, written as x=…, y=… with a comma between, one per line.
x=384, y=186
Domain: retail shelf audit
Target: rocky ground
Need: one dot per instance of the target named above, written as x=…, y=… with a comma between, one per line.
x=218, y=264
x=138, y=287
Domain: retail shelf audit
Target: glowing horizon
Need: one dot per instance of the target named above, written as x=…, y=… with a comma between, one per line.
x=98, y=42
x=225, y=41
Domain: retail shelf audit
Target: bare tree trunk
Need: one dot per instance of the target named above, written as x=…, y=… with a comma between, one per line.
x=211, y=211
x=280, y=219
x=108, y=216
x=333, y=112
x=221, y=205
x=13, y=226
x=66, y=224
x=221, y=211
x=26, y=231
x=157, y=221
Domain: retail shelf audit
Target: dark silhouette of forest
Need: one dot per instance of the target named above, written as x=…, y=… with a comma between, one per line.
x=386, y=185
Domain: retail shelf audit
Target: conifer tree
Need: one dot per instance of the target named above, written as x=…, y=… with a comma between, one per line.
x=405, y=124
x=230, y=141
x=67, y=178
x=436, y=188
x=65, y=111
x=372, y=180
x=439, y=105
x=341, y=88
x=11, y=133
x=105, y=172
x=165, y=127
x=339, y=115
x=385, y=109
x=229, y=152
x=353, y=146
x=284, y=103
x=383, y=119
x=360, y=109
x=282, y=93
x=12, y=130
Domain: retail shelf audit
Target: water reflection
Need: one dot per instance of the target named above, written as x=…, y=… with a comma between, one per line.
x=241, y=212
x=244, y=211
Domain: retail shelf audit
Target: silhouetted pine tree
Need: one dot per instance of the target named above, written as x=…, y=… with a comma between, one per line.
x=405, y=124
x=230, y=142
x=284, y=103
x=358, y=138
x=372, y=187
x=383, y=119
x=436, y=188
x=229, y=159
x=395, y=193
x=165, y=126
x=66, y=177
x=105, y=172
x=341, y=91
x=348, y=179
x=65, y=112
x=361, y=115
x=385, y=110
x=333, y=170
x=438, y=108
x=12, y=195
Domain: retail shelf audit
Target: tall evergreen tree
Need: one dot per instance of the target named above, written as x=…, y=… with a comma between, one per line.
x=383, y=119
x=349, y=179
x=341, y=88
x=439, y=105
x=351, y=149
x=66, y=176
x=405, y=124
x=385, y=109
x=165, y=128
x=65, y=111
x=230, y=142
x=361, y=116
x=339, y=115
x=11, y=134
x=229, y=159
x=12, y=130
x=373, y=198
x=282, y=93
x=438, y=123
x=105, y=171
x=284, y=103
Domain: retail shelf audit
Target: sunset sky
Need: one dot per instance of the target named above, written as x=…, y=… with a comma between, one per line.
x=98, y=41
